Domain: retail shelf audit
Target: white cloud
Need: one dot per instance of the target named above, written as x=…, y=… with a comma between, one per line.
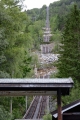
x=37, y=3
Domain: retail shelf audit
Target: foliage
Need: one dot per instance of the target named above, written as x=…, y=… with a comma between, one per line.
x=21, y=33
x=37, y=14
x=42, y=15
x=4, y=115
x=58, y=12
x=3, y=42
x=47, y=117
x=14, y=40
x=15, y=44
x=36, y=33
x=18, y=104
x=56, y=38
x=69, y=64
x=33, y=14
x=74, y=94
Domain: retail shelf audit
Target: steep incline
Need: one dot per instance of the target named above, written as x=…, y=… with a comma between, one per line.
x=40, y=104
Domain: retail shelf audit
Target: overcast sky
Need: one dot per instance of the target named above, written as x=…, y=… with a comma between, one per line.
x=37, y=3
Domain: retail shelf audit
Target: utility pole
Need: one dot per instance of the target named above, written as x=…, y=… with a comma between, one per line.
x=59, y=104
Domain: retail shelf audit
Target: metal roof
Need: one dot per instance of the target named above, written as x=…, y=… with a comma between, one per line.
x=17, y=87
x=67, y=107
x=53, y=80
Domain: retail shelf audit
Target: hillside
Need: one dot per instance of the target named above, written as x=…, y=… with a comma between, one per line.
x=21, y=34
x=58, y=10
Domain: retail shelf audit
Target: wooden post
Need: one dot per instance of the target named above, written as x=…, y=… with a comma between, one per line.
x=11, y=106
x=26, y=102
x=59, y=104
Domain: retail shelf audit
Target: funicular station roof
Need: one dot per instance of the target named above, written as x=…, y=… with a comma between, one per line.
x=21, y=87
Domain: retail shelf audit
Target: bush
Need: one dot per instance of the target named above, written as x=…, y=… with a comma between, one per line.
x=47, y=117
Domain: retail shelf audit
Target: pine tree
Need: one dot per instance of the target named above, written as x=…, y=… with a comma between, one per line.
x=69, y=59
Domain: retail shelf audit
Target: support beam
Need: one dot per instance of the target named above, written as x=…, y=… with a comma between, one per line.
x=59, y=104
x=21, y=87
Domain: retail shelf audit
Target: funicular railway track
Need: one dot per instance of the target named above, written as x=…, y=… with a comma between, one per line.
x=37, y=108
x=42, y=108
x=39, y=104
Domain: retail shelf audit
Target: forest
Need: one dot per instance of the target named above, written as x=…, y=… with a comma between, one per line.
x=21, y=34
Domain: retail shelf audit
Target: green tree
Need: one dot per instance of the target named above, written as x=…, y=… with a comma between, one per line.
x=47, y=117
x=4, y=115
x=74, y=94
x=14, y=41
x=14, y=51
x=3, y=41
x=69, y=60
